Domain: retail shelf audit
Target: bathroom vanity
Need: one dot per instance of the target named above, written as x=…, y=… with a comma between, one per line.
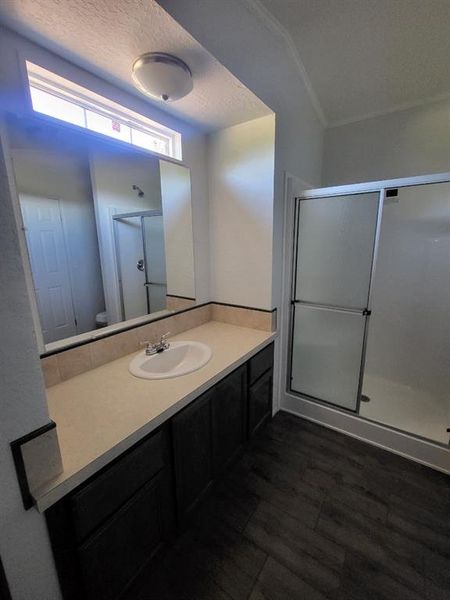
x=107, y=528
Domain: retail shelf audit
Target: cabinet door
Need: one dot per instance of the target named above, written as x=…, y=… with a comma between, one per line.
x=101, y=497
x=260, y=363
x=191, y=431
x=229, y=418
x=260, y=401
x=113, y=556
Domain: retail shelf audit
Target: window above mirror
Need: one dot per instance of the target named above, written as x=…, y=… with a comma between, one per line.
x=62, y=99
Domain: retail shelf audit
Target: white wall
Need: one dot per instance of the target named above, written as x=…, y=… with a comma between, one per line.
x=65, y=176
x=24, y=544
x=401, y=144
x=241, y=189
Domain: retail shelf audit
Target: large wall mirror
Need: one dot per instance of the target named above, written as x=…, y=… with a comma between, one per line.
x=108, y=230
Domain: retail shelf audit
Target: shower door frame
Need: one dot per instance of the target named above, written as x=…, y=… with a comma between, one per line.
x=364, y=313
x=344, y=190
x=140, y=215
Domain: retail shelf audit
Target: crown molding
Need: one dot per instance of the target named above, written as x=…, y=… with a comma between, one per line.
x=276, y=27
x=396, y=108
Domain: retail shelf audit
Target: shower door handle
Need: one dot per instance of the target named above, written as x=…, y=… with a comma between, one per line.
x=140, y=265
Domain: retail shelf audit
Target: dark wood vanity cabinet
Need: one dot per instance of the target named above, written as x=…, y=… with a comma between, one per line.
x=108, y=528
x=260, y=372
x=105, y=531
x=111, y=558
x=207, y=435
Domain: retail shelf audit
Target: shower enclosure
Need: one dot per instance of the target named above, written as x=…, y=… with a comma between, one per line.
x=141, y=262
x=370, y=318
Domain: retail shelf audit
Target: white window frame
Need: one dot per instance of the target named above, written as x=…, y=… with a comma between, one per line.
x=50, y=83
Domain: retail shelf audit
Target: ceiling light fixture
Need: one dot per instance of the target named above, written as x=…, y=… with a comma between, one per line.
x=162, y=76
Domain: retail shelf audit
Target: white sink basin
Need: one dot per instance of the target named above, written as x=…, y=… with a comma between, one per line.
x=180, y=359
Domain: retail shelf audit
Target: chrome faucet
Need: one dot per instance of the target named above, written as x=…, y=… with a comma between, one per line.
x=157, y=347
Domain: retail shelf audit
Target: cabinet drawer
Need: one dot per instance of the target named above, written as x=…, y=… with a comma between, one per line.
x=260, y=363
x=260, y=402
x=101, y=497
x=112, y=557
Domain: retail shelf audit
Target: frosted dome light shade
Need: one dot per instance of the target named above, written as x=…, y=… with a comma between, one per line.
x=162, y=76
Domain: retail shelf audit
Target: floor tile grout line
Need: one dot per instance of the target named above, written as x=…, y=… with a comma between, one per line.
x=281, y=509
x=342, y=571
x=251, y=515
x=319, y=514
x=336, y=567
x=255, y=581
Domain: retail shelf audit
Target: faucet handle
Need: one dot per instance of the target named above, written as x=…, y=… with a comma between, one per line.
x=164, y=342
x=146, y=344
x=150, y=348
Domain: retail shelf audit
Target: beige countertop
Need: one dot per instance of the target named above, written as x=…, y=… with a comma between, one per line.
x=101, y=413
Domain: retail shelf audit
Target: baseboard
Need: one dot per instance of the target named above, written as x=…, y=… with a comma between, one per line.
x=426, y=453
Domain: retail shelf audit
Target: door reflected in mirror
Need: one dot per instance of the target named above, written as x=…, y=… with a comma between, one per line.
x=108, y=229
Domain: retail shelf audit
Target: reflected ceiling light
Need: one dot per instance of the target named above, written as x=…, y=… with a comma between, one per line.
x=162, y=76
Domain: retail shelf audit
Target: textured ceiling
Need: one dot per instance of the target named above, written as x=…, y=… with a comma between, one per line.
x=107, y=35
x=367, y=57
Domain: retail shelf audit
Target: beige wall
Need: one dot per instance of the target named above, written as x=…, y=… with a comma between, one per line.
x=401, y=144
x=241, y=191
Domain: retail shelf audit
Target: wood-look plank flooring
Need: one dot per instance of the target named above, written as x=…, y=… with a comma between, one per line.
x=311, y=514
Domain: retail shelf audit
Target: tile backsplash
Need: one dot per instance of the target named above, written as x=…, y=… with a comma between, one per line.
x=74, y=361
x=176, y=303
x=244, y=317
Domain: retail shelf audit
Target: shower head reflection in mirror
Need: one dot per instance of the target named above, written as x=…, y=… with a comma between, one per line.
x=108, y=230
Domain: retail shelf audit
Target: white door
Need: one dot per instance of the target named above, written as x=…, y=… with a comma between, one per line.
x=49, y=265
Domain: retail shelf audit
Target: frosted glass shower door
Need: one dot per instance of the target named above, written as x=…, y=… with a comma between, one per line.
x=334, y=255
